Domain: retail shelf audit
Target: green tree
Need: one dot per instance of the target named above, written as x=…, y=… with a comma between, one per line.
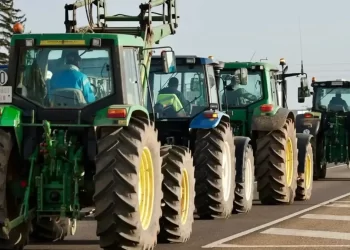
x=9, y=15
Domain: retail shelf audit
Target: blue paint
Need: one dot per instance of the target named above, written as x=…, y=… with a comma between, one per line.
x=201, y=122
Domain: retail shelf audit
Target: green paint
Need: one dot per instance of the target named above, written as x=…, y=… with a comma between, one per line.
x=61, y=174
x=336, y=139
x=11, y=117
x=102, y=119
x=241, y=118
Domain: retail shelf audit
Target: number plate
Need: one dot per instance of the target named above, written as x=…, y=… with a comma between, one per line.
x=5, y=94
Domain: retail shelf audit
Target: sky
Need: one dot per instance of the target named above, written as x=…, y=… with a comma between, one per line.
x=232, y=30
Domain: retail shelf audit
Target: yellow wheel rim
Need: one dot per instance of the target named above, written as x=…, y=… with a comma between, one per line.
x=185, y=196
x=308, y=171
x=289, y=162
x=146, y=188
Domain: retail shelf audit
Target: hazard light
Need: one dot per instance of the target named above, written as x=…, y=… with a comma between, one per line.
x=18, y=28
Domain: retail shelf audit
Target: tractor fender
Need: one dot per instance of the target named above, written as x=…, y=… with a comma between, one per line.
x=202, y=122
x=102, y=119
x=303, y=141
x=311, y=124
x=241, y=143
x=271, y=122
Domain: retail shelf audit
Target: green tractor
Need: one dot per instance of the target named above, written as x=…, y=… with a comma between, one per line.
x=328, y=122
x=257, y=105
x=67, y=142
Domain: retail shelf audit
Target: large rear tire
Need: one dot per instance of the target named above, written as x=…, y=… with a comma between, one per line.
x=9, y=205
x=178, y=194
x=304, y=188
x=215, y=171
x=128, y=186
x=276, y=159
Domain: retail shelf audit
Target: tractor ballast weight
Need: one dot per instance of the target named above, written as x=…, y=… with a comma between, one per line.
x=63, y=149
x=260, y=112
x=197, y=122
x=328, y=125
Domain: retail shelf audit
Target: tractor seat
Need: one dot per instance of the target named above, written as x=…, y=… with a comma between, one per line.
x=67, y=98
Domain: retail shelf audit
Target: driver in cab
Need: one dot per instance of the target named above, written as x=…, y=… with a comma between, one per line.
x=237, y=96
x=71, y=77
x=172, y=89
x=338, y=102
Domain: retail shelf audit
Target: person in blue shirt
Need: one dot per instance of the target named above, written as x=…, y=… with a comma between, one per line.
x=71, y=77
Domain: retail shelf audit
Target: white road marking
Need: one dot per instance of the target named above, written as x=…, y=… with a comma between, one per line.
x=325, y=217
x=271, y=223
x=308, y=233
x=338, y=205
x=342, y=202
x=338, y=166
x=283, y=246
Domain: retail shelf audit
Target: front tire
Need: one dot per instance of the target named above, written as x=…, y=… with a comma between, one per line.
x=277, y=165
x=244, y=193
x=128, y=186
x=304, y=188
x=215, y=171
x=178, y=189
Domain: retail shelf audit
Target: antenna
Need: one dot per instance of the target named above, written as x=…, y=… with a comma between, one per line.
x=252, y=56
x=301, y=49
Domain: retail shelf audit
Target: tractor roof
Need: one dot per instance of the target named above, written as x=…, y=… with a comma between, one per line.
x=341, y=83
x=77, y=38
x=191, y=59
x=237, y=65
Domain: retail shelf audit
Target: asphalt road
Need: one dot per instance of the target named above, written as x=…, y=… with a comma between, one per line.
x=224, y=234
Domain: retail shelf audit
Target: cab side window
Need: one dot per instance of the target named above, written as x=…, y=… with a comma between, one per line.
x=132, y=76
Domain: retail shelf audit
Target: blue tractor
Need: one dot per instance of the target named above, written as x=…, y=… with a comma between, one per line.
x=187, y=112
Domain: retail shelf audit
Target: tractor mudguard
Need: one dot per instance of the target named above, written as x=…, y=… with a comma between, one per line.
x=241, y=143
x=311, y=124
x=303, y=141
x=202, y=122
x=265, y=122
x=10, y=116
x=118, y=115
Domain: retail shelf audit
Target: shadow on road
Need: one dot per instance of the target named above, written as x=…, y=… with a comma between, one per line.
x=70, y=242
x=334, y=179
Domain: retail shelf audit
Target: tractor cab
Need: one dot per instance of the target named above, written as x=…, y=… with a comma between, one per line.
x=331, y=96
x=68, y=77
x=185, y=93
x=184, y=97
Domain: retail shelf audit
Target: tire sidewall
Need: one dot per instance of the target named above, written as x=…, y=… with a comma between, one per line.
x=291, y=134
x=229, y=139
x=150, y=140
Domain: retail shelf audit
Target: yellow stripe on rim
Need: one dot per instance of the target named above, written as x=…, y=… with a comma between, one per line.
x=146, y=188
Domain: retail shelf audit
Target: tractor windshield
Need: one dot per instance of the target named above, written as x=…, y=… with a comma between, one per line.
x=64, y=77
x=181, y=94
x=237, y=94
x=331, y=99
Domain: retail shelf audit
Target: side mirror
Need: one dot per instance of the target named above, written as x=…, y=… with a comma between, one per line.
x=301, y=97
x=169, y=62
